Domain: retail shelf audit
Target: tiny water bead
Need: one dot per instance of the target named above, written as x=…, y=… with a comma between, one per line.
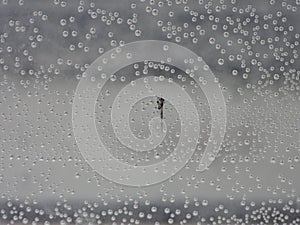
x=251, y=48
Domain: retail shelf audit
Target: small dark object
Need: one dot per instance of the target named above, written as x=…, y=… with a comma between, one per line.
x=160, y=103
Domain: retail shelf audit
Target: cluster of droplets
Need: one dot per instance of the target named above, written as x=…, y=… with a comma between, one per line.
x=133, y=212
x=239, y=39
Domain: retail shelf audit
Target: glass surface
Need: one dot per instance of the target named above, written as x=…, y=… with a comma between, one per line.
x=149, y=112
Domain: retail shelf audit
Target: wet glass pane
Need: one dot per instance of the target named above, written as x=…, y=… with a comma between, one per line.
x=149, y=112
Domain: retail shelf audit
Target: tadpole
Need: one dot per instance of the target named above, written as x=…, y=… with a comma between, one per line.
x=160, y=106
